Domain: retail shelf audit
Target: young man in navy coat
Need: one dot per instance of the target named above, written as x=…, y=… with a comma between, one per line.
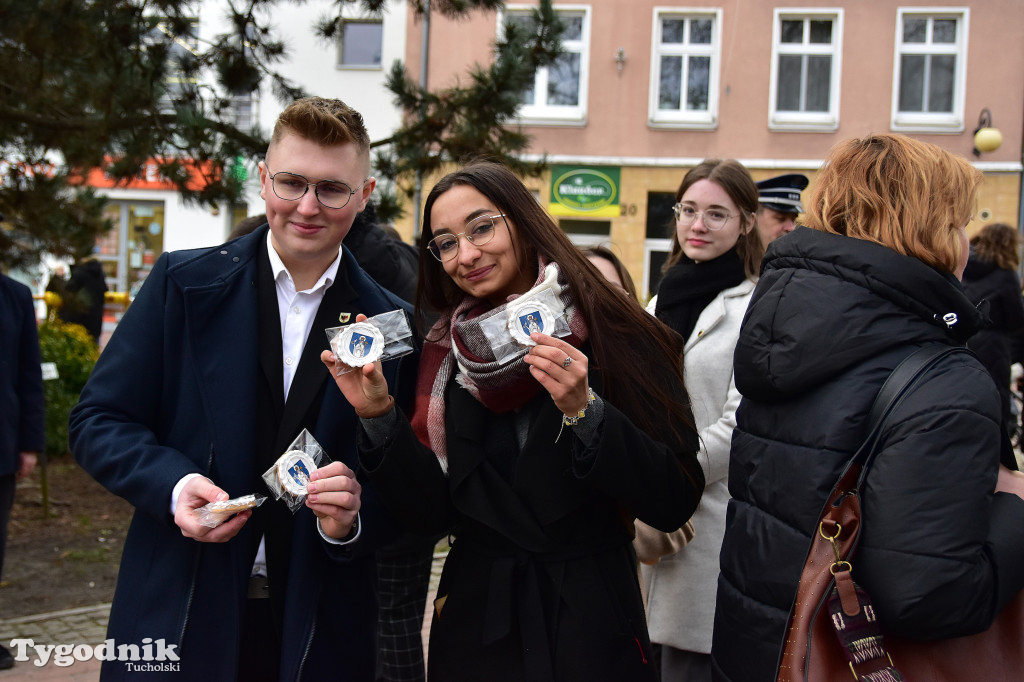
x=210, y=375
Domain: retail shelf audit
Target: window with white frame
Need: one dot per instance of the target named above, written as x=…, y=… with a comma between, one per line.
x=684, y=68
x=930, y=69
x=559, y=91
x=805, y=73
x=360, y=43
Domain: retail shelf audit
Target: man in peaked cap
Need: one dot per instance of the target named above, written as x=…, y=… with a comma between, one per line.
x=779, y=204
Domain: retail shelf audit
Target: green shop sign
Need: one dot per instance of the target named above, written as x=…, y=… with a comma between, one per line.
x=584, y=191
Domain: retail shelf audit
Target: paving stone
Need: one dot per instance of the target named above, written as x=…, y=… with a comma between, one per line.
x=89, y=626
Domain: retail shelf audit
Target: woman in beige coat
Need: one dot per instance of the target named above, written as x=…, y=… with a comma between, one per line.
x=709, y=278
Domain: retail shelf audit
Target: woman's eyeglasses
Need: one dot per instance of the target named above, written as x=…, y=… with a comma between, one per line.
x=713, y=218
x=478, y=232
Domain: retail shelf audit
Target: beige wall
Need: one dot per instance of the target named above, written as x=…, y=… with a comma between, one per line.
x=616, y=130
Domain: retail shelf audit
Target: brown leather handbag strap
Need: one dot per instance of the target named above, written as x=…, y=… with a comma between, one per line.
x=840, y=515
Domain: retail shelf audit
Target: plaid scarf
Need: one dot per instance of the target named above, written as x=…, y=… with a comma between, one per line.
x=462, y=345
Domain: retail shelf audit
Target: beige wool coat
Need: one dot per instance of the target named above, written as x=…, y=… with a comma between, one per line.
x=682, y=586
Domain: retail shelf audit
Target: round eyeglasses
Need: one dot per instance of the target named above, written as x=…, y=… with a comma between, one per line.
x=478, y=232
x=713, y=218
x=330, y=193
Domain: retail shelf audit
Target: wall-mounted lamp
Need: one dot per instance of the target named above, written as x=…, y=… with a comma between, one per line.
x=986, y=137
x=620, y=59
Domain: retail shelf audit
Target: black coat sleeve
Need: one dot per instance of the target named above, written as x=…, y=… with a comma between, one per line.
x=410, y=478
x=29, y=389
x=111, y=430
x=940, y=552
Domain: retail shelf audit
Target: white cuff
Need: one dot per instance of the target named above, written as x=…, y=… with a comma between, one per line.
x=335, y=541
x=177, y=490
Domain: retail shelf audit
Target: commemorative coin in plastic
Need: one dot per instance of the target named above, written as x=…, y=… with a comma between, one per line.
x=529, y=317
x=293, y=471
x=358, y=344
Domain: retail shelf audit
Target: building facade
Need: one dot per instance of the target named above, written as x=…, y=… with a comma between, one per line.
x=646, y=89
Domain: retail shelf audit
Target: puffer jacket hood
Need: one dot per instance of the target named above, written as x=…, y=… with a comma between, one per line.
x=828, y=302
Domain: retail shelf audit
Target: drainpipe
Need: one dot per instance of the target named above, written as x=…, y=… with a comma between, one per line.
x=424, y=54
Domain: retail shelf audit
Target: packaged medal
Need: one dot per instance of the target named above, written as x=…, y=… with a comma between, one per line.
x=382, y=337
x=508, y=330
x=289, y=475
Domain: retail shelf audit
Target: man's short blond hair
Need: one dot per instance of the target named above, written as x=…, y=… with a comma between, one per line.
x=327, y=122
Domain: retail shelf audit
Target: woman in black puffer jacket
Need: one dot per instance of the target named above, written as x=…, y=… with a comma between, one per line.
x=838, y=306
x=991, y=277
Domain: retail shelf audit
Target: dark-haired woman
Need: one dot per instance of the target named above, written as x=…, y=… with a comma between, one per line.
x=991, y=276
x=709, y=278
x=537, y=466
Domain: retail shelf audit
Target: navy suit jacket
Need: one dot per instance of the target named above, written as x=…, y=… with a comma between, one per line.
x=175, y=392
x=21, y=382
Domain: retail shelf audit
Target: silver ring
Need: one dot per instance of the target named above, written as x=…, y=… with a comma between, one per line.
x=566, y=362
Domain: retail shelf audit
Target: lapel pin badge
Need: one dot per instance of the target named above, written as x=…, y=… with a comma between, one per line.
x=344, y=317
